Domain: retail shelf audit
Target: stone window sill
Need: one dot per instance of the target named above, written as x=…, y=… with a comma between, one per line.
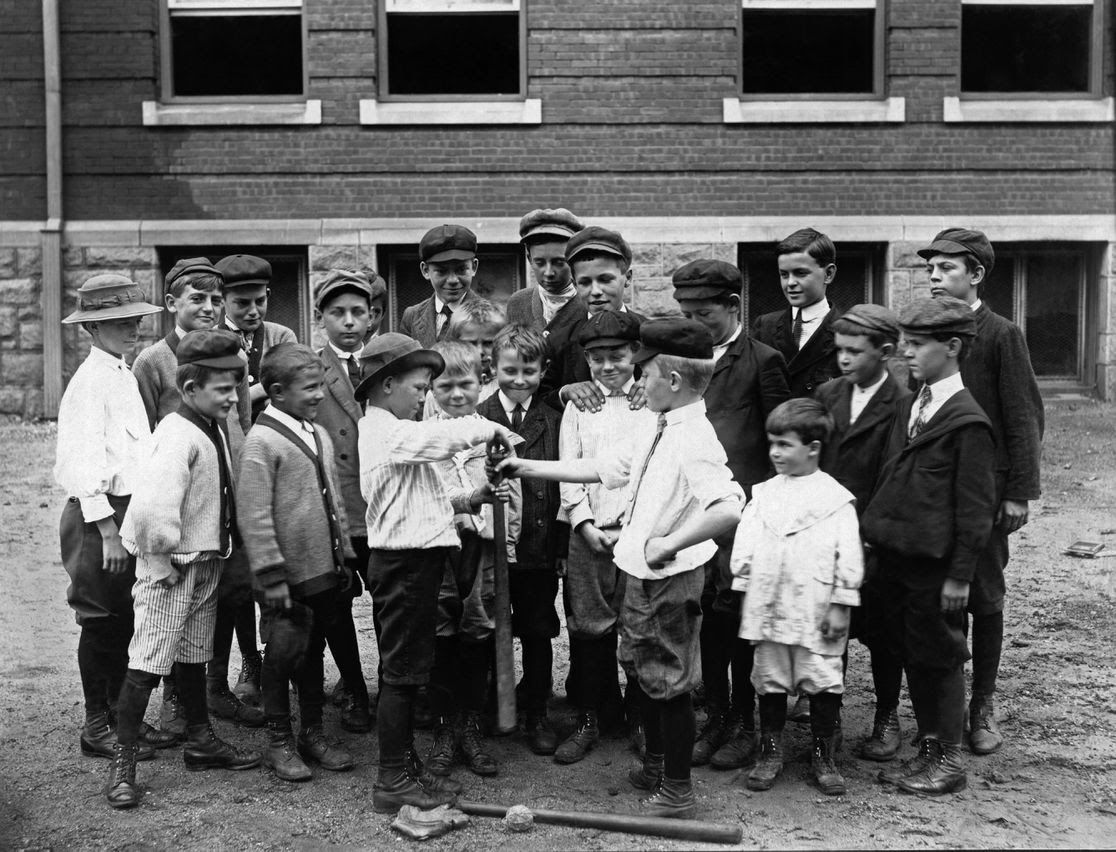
x=874, y=110
x=1031, y=109
x=157, y=114
x=373, y=112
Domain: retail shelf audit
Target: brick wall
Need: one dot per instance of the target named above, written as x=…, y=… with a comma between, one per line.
x=21, y=332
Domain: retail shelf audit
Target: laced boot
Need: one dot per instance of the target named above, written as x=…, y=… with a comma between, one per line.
x=356, y=714
x=172, y=718
x=476, y=757
x=886, y=737
x=541, y=738
x=204, y=750
x=894, y=774
x=943, y=773
x=440, y=759
x=578, y=744
x=984, y=734
x=434, y=783
x=713, y=735
x=396, y=787
x=649, y=774
x=121, y=790
x=224, y=705
x=314, y=747
x=769, y=763
x=740, y=743
x=800, y=712
x=672, y=798
x=281, y=756
x=826, y=774
x=155, y=737
x=98, y=738
x=247, y=687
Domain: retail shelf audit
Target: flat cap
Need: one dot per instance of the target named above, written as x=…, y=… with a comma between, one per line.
x=596, y=238
x=391, y=354
x=678, y=336
x=190, y=266
x=110, y=296
x=706, y=279
x=447, y=242
x=961, y=241
x=347, y=281
x=242, y=270
x=555, y=222
x=874, y=318
x=212, y=347
x=609, y=328
x=941, y=315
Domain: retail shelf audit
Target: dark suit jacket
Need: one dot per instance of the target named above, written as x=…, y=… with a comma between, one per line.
x=815, y=364
x=542, y=538
x=419, y=321
x=338, y=413
x=854, y=454
x=567, y=358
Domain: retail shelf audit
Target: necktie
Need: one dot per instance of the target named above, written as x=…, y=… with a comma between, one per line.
x=352, y=363
x=920, y=419
x=659, y=427
x=517, y=417
x=796, y=329
x=446, y=312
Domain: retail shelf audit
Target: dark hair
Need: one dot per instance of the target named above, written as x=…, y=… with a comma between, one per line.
x=877, y=338
x=814, y=243
x=596, y=254
x=807, y=418
x=527, y=343
x=282, y=364
x=202, y=375
x=947, y=336
x=206, y=282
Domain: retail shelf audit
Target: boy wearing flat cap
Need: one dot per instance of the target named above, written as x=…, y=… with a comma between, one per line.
x=411, y=532
x=448, y=260
x=928, y=522
x=749, y=382
x=998, y=373
x=181, y=525
x=683, y=496
x=863, y=404
x=102, y=432
x=550, y=304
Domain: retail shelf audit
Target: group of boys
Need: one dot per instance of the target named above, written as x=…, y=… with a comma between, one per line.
x=699, y=492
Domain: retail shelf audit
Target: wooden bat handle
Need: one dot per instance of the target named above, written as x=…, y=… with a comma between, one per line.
x=505, y=660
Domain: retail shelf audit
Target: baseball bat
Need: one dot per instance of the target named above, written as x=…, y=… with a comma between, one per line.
x=505, y=660
x=679, y=829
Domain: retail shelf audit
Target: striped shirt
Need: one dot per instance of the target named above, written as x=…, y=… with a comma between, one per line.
x=408, y=505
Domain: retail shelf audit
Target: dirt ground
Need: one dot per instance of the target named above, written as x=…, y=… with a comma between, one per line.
x=1053, y=785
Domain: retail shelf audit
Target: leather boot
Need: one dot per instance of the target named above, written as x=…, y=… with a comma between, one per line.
x=434, y=783
x=172, y=718
x=224, y=705
x=578, y=744
x=886, y=737
x=204, y=750
x=673, y=798
x=356, y=714
x=800, y=712
x=121, y=790
x=943, y=773
x=156, y=738
x=826, y=774
x=98, y=738
x=769, y=763
x=541, y=738
x=442, y=751
x=740, y=743
x=281, y=756
x=247, y=687
x=894, y=774
x=396, y=787
x=476, y=757
x=649, y=774
x=713, y=735
x=314, y=747
x=984, y=734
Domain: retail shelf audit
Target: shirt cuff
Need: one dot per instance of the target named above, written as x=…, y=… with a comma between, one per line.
x=845, y=597
x=95, y=507
x=580, y=513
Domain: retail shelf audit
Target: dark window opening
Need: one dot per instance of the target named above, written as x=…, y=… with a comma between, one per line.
x=1025, y=48
x=453, y=54
x=229, y=55
x=804, y=51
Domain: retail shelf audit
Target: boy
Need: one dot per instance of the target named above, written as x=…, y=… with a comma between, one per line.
x=519, y=357
x=181, y=525
x=601, y=264
x=998, y=373
x=551, y=304
x=295, y=530
x=347, y=304
x=683, y=495
x=476, y=322
x=464, y=647
x=803, y=332
x=863, y=406
x=593, y=590
x=928, y=522
x=749, y=382
x=798, y=561
x=448, y=260
x=410, y=536
x=102, y=432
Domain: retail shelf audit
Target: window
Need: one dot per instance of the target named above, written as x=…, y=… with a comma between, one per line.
x=1045, y=47
x=439, y=49
x=811, y=47
x=499, y=274
x=242, y=49
x=859, y=278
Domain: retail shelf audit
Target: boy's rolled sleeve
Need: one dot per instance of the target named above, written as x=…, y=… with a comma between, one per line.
x=848, y=572
x=575, y=495
x=740, y=562
x=711, y=483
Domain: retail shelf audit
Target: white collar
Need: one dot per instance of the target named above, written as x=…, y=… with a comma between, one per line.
x=294, y=424
x=117, y=362
x=732, y=338
x=626, y=389
x=813, y=312
x=509, y=405
x=945, y=388
x=232, y=325
x=341, y=353
x=623, y=310
x=690, y=411
x=178, y=330
x=976, y=304
x=871, y=389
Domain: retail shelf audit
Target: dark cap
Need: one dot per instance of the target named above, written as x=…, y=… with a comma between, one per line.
x=189, y=266
x=941, y=315
x=391, y=354
x=559, y=223
x=596, y=238
x=448, y=242
x=875, y=318
x=706, y=279
x=674, y=336
x=110, y=296
x=962, y=241
x=609, y=328
x=346, y=281
x=242, y=270
x=212, y=347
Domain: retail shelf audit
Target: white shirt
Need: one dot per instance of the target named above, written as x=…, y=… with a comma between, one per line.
x=342, y=354
x=509, y=405
x=811, y=319
x=940, y=392
x=102, y=433
x=861, y=397
x=301, y=428
x=440, y=319
x=721, y=348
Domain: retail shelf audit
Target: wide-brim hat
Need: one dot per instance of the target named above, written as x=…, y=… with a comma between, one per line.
x=110, y=296
x=391, y=354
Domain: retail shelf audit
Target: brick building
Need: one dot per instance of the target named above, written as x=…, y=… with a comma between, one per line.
x=334, y=132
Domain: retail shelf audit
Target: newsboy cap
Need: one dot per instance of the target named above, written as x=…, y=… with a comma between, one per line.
x=346, y=281
x=549, y=222
x=678, y=336
x=941, y=315
x=874, y=318
x=110, y=296
x=212, y=347
x=190, y=266
x=961, y=241
x=706, y=279
x=243, y=270
x=447, y=242
x=609, y=328
x=391, y=354
x=596, y=238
